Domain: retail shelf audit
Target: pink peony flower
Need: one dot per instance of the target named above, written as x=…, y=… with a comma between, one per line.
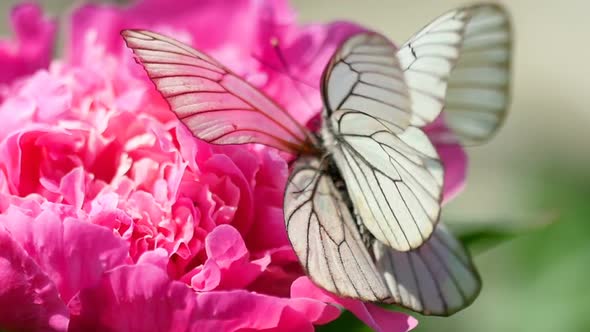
x=32, y=45
x=124, y=215
x=114, y=217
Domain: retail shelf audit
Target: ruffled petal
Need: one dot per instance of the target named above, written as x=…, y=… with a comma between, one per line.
x=28, y=298
x=74, y=254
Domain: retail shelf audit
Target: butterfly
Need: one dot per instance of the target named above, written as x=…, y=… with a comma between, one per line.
x=362, y=203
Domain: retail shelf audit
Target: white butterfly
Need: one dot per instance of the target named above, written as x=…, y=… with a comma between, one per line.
x=363, y=201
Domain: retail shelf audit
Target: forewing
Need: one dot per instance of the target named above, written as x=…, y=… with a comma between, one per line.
x=394, y=181
x=436, y=279
x=325, y=237
x=214, y=103
x=364, y=76
x=461, y=62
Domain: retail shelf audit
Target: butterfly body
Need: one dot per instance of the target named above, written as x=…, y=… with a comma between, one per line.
x=363, y=200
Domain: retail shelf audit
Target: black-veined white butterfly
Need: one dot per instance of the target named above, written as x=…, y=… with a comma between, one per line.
x=363, y=201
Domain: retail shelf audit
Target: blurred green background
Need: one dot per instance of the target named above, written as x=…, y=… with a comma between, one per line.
x=536, y=169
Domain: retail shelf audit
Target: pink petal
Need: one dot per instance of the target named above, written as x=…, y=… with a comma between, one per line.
x=136, y=298
x=454, y=162
x=28, y=298
x=451, y=154
x=157, y=257
x=15, y=113
x=33, y=154
x=74, y=254
x=224, y=166
x=51, y=95
x=226, y=248
x=207, y=278
x=104, y=212
x=374, y=316
x=72, y=187
x=33, y=44
x=241, y=310
x=268, y=230
x=191, y=149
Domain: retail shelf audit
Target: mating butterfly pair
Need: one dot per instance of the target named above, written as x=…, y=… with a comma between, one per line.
x=378, y=240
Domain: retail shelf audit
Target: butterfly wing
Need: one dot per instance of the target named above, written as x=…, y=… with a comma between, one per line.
x=478, y=94
x=325, y=236
x=436, y=279
x=392, y=171
x=214, y=103
x=364, y=76
x=461, y=62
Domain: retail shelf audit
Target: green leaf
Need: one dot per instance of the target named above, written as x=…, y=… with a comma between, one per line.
x=479, y=237
x=346, y=322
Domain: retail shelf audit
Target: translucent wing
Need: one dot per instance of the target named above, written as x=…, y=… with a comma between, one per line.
x=391, y=170
x=461, y=62
x=436, y=279
x=326, y=238
x=364, y=76
x=214, y=103
x=479, y=87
